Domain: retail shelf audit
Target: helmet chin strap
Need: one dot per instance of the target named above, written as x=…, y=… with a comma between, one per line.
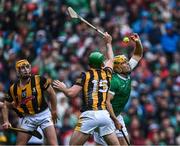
x=24, y=80
x=25, y=77
x=119, y=70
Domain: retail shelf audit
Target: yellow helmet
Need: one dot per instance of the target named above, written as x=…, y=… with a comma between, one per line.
x=119, y=60
x=21, y=63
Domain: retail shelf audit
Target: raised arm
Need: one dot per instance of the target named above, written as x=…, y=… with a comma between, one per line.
x=138, y=50
x=110, y=54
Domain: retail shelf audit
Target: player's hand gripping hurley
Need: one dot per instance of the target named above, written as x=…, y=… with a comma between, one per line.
x=73, y=14
x=119, y=126
x=127, y=141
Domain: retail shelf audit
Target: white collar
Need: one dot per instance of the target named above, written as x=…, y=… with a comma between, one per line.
x=124, y=78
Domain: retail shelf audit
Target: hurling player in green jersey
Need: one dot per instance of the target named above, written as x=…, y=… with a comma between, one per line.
x=120, y=89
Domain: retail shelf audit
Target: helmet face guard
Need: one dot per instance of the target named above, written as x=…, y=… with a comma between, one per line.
x=96, y=59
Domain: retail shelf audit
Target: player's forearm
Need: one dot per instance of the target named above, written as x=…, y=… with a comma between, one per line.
x=108, y=41
x=68, y=92
x=110, y=53
x=138, y=51
x=5, y=113
x=53, y=99
x=111, y=111
x=53, y=102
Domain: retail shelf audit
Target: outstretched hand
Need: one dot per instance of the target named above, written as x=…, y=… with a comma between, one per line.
x=135, y=37
x=107, y=38
x=58, y=85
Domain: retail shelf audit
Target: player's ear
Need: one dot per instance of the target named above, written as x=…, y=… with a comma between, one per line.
x=120, y=70
x=30, y=66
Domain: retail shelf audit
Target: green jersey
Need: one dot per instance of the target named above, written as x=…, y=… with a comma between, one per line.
x=120, y=88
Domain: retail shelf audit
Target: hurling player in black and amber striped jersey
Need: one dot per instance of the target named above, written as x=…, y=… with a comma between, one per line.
x=27, y=97
x=94, y=85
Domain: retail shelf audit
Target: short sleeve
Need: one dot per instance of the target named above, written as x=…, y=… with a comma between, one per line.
x=45, y=83
x=108, y=70
x=81, y=79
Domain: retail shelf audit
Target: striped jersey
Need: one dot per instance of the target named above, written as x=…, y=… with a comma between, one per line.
x=29, y=99
x=95, y=84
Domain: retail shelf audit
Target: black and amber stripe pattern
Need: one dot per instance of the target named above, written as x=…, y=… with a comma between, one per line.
x=95, y=84
x=30, y=98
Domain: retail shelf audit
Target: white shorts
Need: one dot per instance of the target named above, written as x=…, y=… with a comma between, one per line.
x=99, y=121
x=99, y=139
x=42, y=120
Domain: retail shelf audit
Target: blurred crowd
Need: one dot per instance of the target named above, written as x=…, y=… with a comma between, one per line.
x=57, y=47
